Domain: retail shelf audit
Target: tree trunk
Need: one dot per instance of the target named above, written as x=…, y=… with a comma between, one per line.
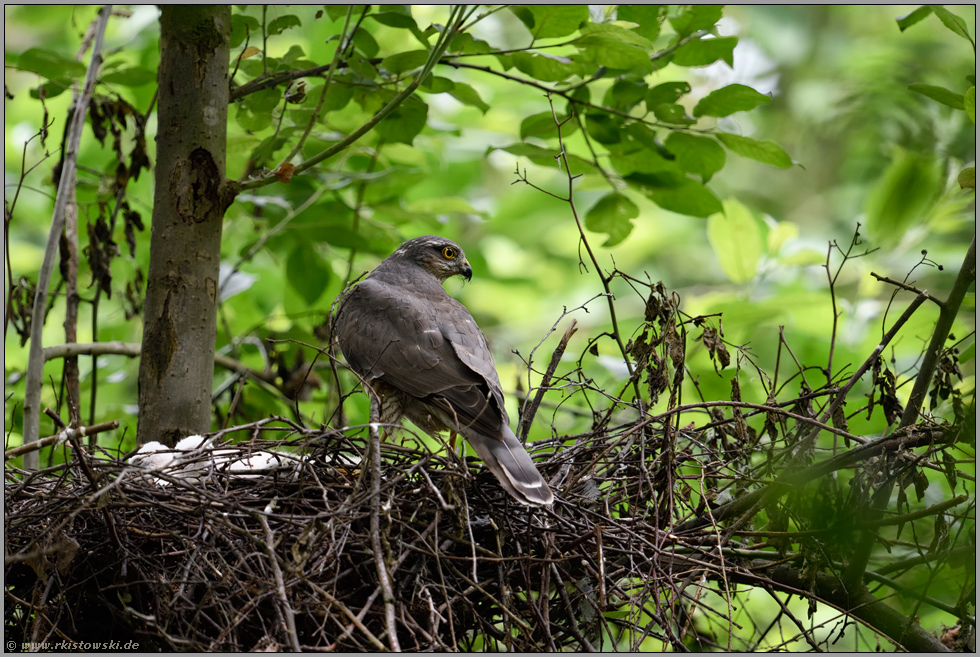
x=179, y=320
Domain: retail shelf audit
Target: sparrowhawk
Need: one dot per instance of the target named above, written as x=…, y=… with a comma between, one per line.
x=423, y=356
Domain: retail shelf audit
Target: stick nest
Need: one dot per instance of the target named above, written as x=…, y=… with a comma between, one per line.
x=220, y=562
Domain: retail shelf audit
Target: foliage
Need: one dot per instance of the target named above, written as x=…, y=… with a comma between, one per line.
x=640, y=112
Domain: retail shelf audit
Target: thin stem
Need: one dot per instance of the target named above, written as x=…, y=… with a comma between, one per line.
x=387, y=593
x=610, y=299
x=947, y=313
x=35, y=367
x=323, y=92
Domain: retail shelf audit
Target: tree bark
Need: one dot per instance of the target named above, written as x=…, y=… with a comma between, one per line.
x=190, y=199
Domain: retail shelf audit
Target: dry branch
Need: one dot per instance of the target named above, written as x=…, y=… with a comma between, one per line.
x=35, y=367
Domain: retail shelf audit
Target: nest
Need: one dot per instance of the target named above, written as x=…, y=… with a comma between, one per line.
x=414, y=550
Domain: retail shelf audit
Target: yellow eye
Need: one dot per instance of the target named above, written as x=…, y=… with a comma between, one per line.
x=449, y=253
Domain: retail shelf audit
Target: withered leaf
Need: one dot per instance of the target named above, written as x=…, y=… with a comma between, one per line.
x=285, y=172
x=133, y=222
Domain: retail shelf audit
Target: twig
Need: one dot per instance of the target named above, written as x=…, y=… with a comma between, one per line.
x=610, y=299
x=285, y=609
x=387, y=594
x=375, y=641
x=947, y=313
x=845, y=389
x=527, y=417
x=92, y=430
x=907, y=287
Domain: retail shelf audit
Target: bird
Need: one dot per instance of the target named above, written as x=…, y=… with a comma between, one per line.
x=421, y=353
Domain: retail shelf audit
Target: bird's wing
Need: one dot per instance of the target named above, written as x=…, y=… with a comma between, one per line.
x=425, y=344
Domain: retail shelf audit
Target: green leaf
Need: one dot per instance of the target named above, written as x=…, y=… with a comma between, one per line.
x=293, y=56
x=601, y=49
x=467, y=95
x=51, y=89
x=466, y=43
x=436, y=84
x=365, y=43
x=336, y=11
x=643, y=160
x=735, y=239
x=267, y=148
x=545, y=157
x=255, y=110
x=700, y=155
x=673, y=113
x=703, y=52
x=252, y=121
x=648, y=18
x=603, y=128
x=677, y=193
x=544, y=67
x=913, y=17
x=781, y=233
x=539, y=125
x=692, y=199
x=939, y=94
x=338, y=95
x=405, y=122
x=804, y=258
x=612, y=215
x=244, y=26
x=50, y=64
x=550, y=21
x=970, y=104
x=730, y=99
x=265, y=100
x=130, y=77
x=618, y=33
x=625, y=94
x=647, y=138
x=902, y=197
x=363, y=67
x=284, y=22
x=956, y=24
x=766, y=152
x=307, y=273
x=581, y=95
x=696, y=17
x=668, y=92
x=395, y=19
x=967, y=178
x=405, y=61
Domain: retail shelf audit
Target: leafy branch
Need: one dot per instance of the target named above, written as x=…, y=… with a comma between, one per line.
x=458, y=15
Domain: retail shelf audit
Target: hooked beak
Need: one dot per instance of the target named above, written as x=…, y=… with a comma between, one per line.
x=466, y=271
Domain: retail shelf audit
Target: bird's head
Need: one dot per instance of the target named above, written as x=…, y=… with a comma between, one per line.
x=440, y=257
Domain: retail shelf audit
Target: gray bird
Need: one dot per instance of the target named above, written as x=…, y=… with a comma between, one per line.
x=426, y=359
